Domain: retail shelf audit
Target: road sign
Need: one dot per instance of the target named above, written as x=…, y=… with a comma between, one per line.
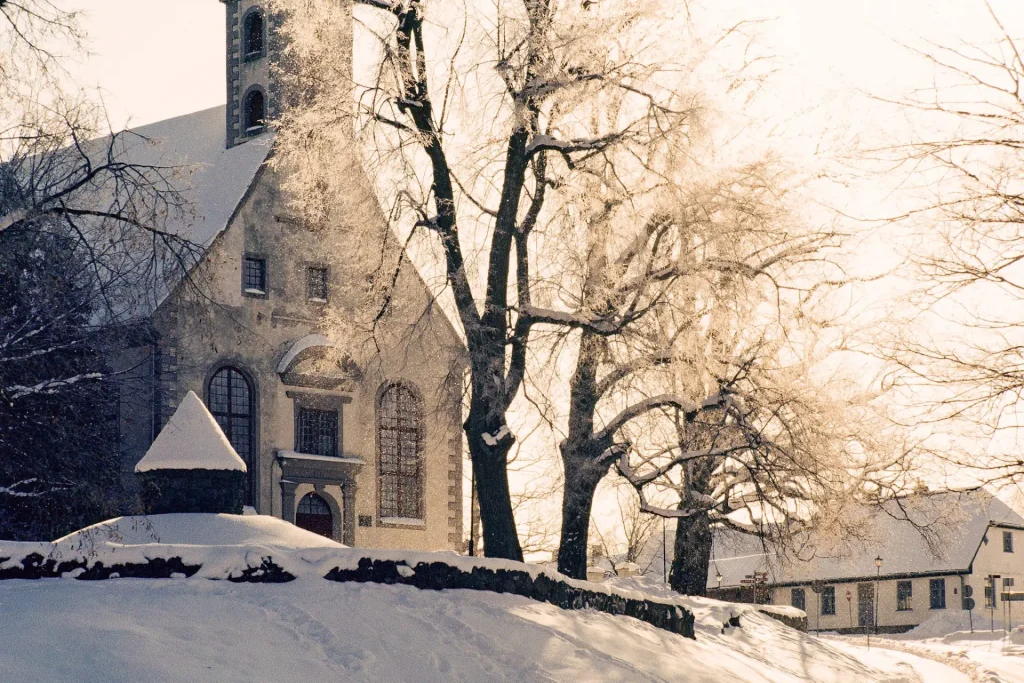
x=817, y=586
x=968, y=603
x=1013, y=596
x=968, y=591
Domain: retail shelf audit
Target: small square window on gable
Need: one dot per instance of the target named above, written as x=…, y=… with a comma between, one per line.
x=254, y=276
x=316, y=284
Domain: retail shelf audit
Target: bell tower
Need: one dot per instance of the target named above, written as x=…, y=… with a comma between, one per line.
x=253, y=97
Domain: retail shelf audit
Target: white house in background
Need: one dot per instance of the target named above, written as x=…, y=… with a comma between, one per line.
x=966, y=537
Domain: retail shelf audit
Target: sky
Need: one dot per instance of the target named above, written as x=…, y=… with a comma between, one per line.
x=153, y=61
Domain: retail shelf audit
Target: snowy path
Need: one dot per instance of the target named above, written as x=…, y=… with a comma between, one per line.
x=883, y=655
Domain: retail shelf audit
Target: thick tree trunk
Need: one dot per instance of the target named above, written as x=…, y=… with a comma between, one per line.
x=501, y=538
x=691, y=554
x=582, y=476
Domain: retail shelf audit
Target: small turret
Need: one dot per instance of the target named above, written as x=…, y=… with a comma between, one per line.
x=191, y=466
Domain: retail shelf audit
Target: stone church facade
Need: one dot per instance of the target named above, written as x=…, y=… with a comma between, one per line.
x=353, y=434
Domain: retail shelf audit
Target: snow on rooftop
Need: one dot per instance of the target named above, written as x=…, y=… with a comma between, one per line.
x=191, y=440
x=950, y=528
x=210, y=179
x=217, y=177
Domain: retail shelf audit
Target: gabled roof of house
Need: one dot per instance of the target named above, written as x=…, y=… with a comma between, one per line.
x=928, y=533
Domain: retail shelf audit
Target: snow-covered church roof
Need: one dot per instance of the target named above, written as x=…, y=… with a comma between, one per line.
x=191, y=440
x=211, y=179
x=943, y=535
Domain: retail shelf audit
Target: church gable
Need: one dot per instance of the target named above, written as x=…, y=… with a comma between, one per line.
x=341, y=395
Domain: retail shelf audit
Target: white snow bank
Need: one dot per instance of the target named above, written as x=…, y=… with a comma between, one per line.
x=193, y=529
x=191, y=440
x=195, y=630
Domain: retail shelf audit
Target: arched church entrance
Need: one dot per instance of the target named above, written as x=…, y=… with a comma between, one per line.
x=313, y=514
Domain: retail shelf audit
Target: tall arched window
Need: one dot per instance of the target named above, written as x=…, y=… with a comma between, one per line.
x=252, y=31
x=400, y=449
x=230, y=399
x=255, y=111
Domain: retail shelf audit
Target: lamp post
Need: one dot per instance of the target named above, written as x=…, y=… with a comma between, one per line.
x=718, y=578
x=878, y=576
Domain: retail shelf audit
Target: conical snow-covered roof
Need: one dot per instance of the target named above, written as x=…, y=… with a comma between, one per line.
x=191, y=440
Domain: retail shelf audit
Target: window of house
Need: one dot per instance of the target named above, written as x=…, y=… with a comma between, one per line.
x=255, y=112
x=798, y=598
x=1008, y=582
x=1007, y=541
x=989, y=599
x=317, y=432
x=828, y=600
x=937, y=594
x=316, y=284
x=400, y=449
x=230, y=400
x=904, y=592
x=254, y=276
x=253, y=32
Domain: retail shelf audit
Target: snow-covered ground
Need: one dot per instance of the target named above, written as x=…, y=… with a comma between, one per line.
x=198, y=629
x=984, y=656
x=201, y=630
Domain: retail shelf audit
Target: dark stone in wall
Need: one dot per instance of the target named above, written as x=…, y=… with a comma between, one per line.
x=169, y=491
x=35, y=566
x=440, y=576
x=799, y=623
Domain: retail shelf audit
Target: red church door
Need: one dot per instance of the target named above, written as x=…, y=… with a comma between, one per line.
x=314, y=515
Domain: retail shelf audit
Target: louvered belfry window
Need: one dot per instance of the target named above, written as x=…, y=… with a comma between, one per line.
x=400, y=446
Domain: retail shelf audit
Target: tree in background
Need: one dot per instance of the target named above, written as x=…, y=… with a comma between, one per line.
x=959, y=367
x=82, y=249
x=60, y=469
x=474, y=116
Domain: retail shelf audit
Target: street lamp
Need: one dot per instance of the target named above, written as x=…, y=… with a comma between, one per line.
x=878, y=576
x=718, y=578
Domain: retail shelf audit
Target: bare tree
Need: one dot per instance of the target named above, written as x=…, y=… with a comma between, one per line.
x=476, y=114
x=960, y=365
x=83, y=248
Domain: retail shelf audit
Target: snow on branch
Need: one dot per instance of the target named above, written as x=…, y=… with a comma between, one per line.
x=638, y=481
x=552, y=317
x=48, y=386
x=14, y=492
x=653, y=403
x=541, y=142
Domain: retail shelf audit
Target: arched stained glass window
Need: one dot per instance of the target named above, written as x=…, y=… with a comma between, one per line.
x=230, y=400
x=400, y=451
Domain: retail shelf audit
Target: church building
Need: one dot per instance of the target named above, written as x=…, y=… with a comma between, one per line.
x=349, y=421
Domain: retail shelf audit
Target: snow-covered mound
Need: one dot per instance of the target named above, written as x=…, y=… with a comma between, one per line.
x=198, y=630
x=196, y=529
